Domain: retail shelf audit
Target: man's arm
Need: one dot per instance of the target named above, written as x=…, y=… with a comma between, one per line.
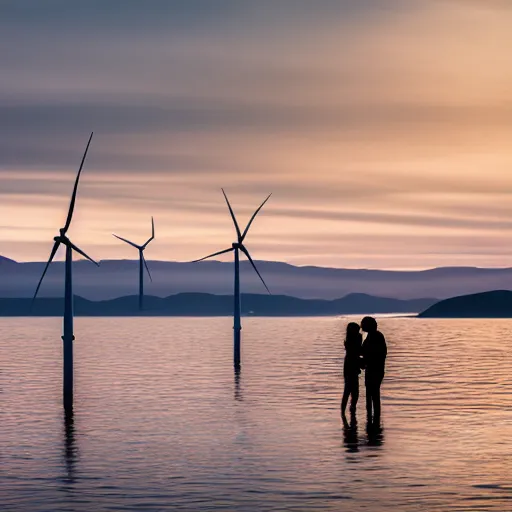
x=382, y=347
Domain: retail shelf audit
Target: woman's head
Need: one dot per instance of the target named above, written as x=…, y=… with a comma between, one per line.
x=369, y=324
x=352, y=328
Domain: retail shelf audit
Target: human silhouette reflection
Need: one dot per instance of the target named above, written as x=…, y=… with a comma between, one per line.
x=70, y=449
x=375, y=433
x=238, y=392
x=350, y=436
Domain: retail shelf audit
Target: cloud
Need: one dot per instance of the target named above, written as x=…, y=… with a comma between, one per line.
x=379, y=121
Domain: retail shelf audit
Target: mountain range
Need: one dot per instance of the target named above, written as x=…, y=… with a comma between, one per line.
x=204, y=304
x=118, y=278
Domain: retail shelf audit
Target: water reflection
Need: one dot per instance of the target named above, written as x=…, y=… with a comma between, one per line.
x=375, y=433
x=351, y=440
x=152, y=434
x=70, y=451
x=238, y=392
x=350, y=434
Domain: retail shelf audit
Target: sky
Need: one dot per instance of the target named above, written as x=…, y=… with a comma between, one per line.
x=383, y=129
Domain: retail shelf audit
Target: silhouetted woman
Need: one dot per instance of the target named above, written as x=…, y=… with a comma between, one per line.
x=351, y=367
x=374, y=358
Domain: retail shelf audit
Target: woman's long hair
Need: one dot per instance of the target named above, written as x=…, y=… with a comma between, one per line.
x=352, y=331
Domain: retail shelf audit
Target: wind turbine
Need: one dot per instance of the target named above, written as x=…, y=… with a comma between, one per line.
x=142, y=262
x=68, y=336
x=236, y=247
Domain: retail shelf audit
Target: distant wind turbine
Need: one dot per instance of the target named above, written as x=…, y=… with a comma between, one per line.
x=142, y=262
x=236, y=247
x=68, y=336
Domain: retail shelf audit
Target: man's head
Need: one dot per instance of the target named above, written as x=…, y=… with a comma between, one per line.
x=369, y=324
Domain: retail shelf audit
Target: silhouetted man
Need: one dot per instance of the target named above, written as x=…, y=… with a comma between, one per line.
x=374, y=356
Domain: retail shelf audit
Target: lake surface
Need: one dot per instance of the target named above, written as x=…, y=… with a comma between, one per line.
x=162, y=423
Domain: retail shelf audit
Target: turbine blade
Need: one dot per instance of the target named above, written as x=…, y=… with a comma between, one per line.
x=152, y=233
x=73, y=196
x=52, y=255
x=127, y=241
x=253, y=217
x=79, y=251
x=214, y=254
x=238, y=234
x=246, y=252
x=147, y=268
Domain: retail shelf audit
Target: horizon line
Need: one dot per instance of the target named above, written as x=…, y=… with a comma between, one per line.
x=409, y=269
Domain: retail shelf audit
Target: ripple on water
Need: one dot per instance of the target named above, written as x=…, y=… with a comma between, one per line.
x=161, y=421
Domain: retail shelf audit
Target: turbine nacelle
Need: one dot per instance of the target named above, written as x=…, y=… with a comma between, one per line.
x=62, y=239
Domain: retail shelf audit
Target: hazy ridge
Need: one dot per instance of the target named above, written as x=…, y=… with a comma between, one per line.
x=204, y=304
x=118, y=278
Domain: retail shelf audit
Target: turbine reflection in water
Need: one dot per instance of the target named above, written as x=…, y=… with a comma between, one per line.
x=70, y=450
x=238, y=393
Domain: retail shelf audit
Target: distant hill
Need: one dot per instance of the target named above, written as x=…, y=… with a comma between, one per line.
x=204, y=304
x=7, y=261
x=493, y=304
x=118, y=278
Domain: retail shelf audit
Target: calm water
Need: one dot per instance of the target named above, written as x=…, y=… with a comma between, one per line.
x=162, y=423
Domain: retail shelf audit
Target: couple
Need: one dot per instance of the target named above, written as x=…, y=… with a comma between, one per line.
x=370, y=355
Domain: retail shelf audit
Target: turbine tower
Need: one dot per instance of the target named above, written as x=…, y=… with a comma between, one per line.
x=68, y=336
x=142, y=262
x=236, y=247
